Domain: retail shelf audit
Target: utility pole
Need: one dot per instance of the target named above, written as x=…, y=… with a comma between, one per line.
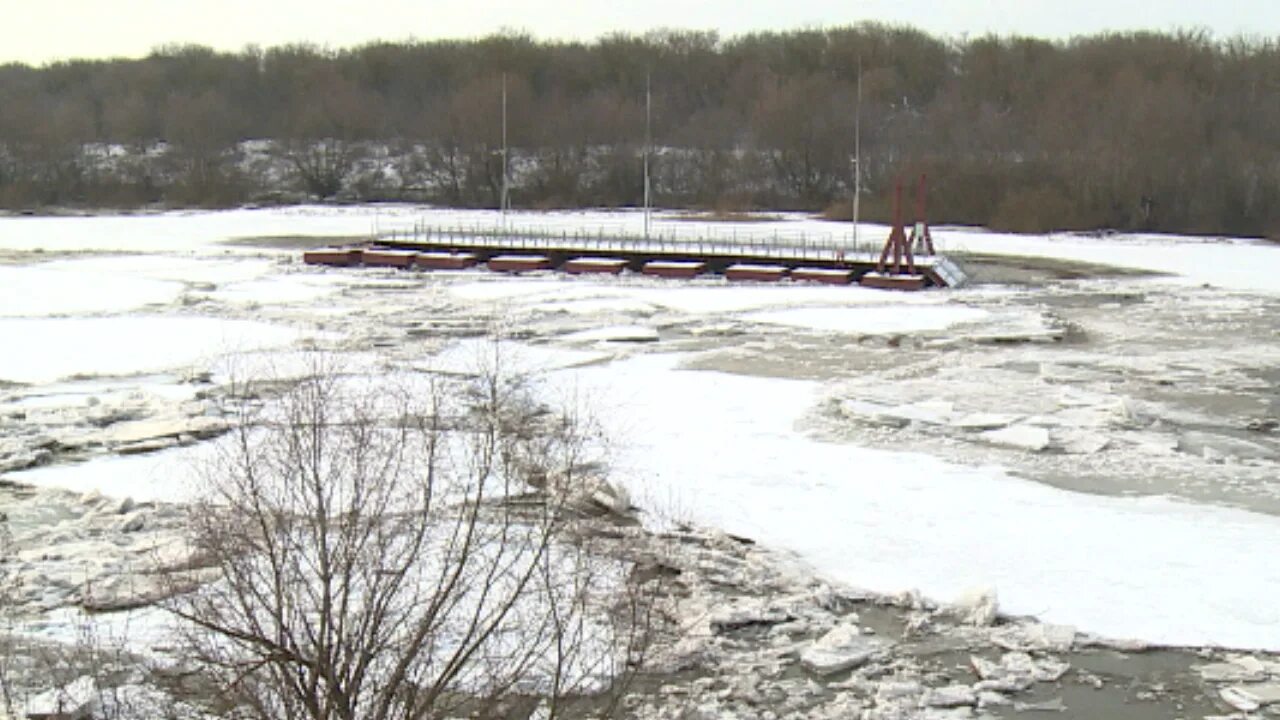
x=503, y=201
x=648, y=143
x=857, y=154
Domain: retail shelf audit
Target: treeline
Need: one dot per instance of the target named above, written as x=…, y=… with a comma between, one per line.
x=1167, y=132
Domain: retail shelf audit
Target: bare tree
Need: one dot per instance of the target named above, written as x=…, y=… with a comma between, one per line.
x=388, y=553
x=10, y=644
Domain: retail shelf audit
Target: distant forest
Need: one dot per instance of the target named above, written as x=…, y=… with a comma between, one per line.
x=1164, y=132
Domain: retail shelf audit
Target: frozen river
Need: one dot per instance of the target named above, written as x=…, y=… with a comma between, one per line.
x=1101, y=450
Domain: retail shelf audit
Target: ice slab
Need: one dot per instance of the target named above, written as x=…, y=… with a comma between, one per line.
x=192, y=231
x=39, y=350
x=615, y=333
x=841, y=648
x=169, y=267
x=280, y=290
x=480, y=355
x=1019, y=437
x=80, y=394
x=276, y=365
x=873, y=320
x=173, y=475
x=722, y=298
x=59, y=289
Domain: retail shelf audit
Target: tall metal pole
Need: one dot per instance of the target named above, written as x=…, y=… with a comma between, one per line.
x=502, y=202
x=648, y=142
x=857, y=155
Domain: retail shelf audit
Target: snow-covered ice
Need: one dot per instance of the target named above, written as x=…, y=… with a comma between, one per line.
x=179, y=268
x=722, y=449
x=1236, y=264
x=39, y=350
x=725, y=451
x=481, y=355
x=185, y=231
x=117, y=283
x=56, y=289
x=710, y=296
x=172, y=475
x=279, y=365
x=279, y=290
x=873, y=320
x=614, y=333
x=82, y=392
x=706, y=299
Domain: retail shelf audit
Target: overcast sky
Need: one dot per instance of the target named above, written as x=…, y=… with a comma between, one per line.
x=47, y=30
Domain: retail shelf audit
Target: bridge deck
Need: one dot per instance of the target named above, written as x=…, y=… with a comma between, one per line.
x=716, y=254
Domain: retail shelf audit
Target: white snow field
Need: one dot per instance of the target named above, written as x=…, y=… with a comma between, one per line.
x=184, y=232
x=117, y=283
x=42, y=350
x=872, y=320
x=172, y=475
x=721, y=449
x=40, y=290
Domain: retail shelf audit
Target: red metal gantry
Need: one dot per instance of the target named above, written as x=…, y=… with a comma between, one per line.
x=901, y=274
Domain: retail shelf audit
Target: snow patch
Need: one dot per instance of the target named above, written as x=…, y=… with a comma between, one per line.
x=873, y=320
x=172, y=475
x=725, y=449
x=45, y=350
x=479, y=355
x=617, y=333
x=842, y=648
x=1019, y=437
x=55, y=289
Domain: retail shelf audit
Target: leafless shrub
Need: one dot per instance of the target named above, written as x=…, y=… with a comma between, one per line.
x=406, y=553
x=10, y=644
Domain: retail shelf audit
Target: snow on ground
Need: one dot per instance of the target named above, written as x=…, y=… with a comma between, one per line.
x=43, y=350
x=166, y=476
x=168, y=267
x=185, y=231
x=699, y=297
x=140, y=630
x=81, y=393
x=722, y=298
x=280, y=289
x=724, y=450
x=614, y=333
x=481, y=355
x=507, y=288
x=1234, y=264
x=283, y=365
x=873, y=320
x=118, y=283
x=622, y=306
x=48, y=290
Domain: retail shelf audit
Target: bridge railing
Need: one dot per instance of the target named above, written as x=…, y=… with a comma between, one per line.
x=791, y=245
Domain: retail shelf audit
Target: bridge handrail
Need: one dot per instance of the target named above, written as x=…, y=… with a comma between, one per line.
x=793, y=245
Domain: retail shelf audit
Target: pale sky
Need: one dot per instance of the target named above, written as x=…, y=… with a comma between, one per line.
x=41, y=31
